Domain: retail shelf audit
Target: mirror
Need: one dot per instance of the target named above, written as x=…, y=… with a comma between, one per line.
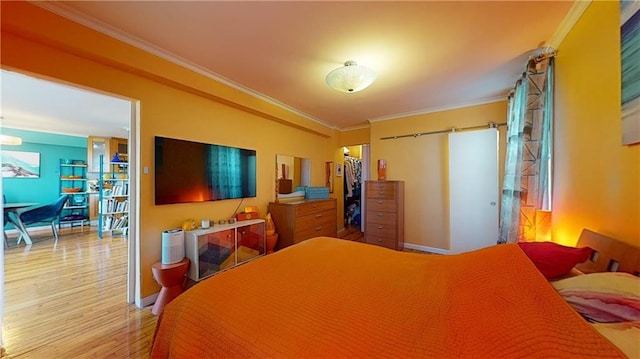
x=291, y=172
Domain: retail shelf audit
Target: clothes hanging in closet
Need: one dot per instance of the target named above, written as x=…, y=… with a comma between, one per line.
x=352, y=189
x=353, y=175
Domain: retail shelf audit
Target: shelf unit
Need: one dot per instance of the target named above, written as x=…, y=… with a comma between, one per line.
x=73, y=182
x=113, y=198
x=223, y=246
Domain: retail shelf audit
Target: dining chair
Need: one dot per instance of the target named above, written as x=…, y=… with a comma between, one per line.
x=6, y=220
x=49, y=213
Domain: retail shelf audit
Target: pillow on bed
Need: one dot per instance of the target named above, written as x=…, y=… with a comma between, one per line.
x=552, y=259
x=609, y=297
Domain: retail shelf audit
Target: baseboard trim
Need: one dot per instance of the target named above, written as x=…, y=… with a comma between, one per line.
x=146, y=301
x=421, y=248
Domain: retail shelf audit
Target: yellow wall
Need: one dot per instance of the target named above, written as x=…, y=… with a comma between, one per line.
x=422, y=163
x=355, y=137
x=355, y=151
x=174, y=102
x=596, y=178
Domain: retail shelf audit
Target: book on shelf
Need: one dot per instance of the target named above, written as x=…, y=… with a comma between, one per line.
x=111, y=223
x=111, y=205
x=120, y=190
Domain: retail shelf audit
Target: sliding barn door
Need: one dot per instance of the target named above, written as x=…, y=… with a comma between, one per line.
x=473, y=189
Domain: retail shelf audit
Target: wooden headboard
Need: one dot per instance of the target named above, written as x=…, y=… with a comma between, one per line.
x=609, y=255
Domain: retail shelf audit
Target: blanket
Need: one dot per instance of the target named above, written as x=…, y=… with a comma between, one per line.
x=332, y=298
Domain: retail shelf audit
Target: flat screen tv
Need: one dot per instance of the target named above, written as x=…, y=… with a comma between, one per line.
x=187, y=171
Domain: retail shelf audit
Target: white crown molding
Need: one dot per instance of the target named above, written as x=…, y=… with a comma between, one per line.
x=72, y=14
x=353, y=128
x=440, y=109
x=577, y=9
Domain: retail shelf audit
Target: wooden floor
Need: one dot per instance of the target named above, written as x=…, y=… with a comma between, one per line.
x=352, y=233
x=68, y=300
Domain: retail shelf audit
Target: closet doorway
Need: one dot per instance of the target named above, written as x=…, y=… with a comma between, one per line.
x=355, y=173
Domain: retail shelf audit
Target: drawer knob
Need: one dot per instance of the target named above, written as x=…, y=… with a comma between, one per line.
x=381, y=193
x=379, y=240
x=319, y=228
x=319, y=215
x=380, y=214
x=380, y=202
x=379, y=227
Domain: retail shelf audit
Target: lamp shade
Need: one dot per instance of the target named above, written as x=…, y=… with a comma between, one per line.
x=351, y=77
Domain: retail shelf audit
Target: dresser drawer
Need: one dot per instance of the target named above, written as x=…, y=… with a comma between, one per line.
x=314, y=207
x=301, y=220
x=320, y=229
x=384, y=205
x=381, y=230
x=381, y=189
x=314, y=219
x=382, y=241
x=386, y=218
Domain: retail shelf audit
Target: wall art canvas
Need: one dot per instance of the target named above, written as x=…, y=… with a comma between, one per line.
x=17, y=164
x=630, y=57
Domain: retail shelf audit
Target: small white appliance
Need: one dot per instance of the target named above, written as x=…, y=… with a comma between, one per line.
x=172, y=246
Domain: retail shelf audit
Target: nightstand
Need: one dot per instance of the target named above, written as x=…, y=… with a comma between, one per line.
x=171, y=277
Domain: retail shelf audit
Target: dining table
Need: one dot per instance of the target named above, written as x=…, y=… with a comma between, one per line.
x=11, y=211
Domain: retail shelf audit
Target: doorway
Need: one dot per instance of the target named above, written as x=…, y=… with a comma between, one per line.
x=46, y=108
x=355, y=173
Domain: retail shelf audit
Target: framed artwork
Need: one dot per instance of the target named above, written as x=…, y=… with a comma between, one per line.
x=630, y=58
x=17, y=164
x=338, y=169
x=329, y=176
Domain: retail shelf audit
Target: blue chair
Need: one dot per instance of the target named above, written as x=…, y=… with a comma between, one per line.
x=6, y=220
x=49, y=213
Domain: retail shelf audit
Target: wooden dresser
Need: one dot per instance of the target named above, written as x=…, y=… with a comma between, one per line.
x=384, y=215
x=300, y=220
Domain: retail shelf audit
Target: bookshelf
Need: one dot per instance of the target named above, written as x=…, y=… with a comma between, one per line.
x=73, y=182
x=113, y=199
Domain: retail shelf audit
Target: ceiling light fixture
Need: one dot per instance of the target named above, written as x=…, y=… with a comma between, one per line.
x=351, y=77
x=10, y=140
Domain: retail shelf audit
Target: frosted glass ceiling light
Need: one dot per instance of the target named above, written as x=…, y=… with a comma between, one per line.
x=351, y=77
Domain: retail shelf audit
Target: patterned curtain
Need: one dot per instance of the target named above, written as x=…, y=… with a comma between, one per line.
x=526, y=186
x=225, y=164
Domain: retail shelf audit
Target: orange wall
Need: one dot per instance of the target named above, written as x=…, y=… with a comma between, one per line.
x=422, y=163
x=174, y=102
x=596, y=179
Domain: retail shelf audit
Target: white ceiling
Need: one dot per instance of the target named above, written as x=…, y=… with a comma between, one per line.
x=429, y=56
x=33, y=104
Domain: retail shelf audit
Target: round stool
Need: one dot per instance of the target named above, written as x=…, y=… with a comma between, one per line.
x=171, y=278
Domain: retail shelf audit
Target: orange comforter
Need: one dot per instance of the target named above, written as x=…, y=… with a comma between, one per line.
x=333, y=298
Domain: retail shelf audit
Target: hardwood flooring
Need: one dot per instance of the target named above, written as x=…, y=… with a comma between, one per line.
x=351, y=233
x=68, y=299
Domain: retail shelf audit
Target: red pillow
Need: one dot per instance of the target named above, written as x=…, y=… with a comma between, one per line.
x=552, y=259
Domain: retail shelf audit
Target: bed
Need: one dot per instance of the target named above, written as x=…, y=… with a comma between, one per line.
x=327, y=297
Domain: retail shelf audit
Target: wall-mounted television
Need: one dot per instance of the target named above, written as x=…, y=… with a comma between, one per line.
x=187, y=171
